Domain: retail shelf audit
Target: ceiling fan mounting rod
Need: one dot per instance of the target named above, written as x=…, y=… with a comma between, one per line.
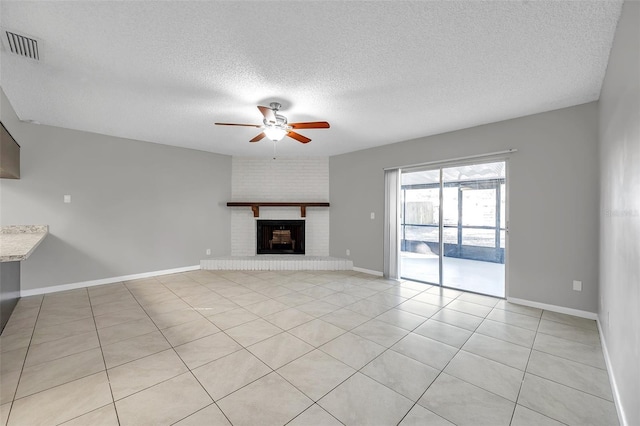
x=275, y=106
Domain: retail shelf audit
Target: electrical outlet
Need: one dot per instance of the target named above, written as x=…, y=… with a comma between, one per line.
x=577, y=285
x=208, y=252
x=373, y=215
x=348, y=252
x=67, y=199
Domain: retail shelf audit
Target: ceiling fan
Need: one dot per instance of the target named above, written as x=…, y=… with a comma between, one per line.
x=275, y=126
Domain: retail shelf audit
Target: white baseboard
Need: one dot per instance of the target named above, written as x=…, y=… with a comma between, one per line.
x=368, y=271
x=612, y=378
x=73, y=286
x=554, y=308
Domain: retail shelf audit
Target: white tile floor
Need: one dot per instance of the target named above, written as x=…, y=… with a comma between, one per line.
x=298, y=348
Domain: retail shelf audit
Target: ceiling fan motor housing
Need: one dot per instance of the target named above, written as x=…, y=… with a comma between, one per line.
x=281, y=120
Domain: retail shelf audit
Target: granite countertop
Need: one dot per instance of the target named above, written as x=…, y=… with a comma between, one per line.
x=17, y=242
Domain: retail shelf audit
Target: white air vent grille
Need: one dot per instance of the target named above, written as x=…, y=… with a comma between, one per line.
x=23, y=46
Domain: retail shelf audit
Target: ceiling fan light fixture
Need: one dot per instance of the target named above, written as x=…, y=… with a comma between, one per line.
x=275, y=133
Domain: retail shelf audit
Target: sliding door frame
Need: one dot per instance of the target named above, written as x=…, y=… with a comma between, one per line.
x=472, y=160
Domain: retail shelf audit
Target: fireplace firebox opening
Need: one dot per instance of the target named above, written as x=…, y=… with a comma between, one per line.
x=280, y=237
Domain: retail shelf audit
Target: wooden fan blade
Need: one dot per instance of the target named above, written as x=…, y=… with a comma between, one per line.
x=259, y=137
x=235, y=124
x=268, y=114
x=310, y=125
x=298, y=137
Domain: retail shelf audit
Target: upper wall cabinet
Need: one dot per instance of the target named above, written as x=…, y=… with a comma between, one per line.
x=9, y=156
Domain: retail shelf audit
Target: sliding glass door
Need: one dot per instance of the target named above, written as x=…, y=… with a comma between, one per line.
x=420, y=226
x=453, y=226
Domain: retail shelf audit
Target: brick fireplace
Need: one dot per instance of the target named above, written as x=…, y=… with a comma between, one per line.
x=297, y=179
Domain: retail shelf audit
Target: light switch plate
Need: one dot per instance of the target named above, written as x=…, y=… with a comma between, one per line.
x=67, y=198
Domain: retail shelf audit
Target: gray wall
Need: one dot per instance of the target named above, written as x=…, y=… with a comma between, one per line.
x=136, y=206
x=619, y=309
x=553, y=181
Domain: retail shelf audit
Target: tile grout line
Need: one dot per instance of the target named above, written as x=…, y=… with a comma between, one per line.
x=320, y=407
x=349, y=331
x=527, y=372
x=106, y=370
x=171, y=347
x=524, y=373
x=565, y=358
x=24, y=361
x=69, y=381
x=242, y=348
x=439, y=373
x=315, y=348
x=389, y=348
x=568, y=386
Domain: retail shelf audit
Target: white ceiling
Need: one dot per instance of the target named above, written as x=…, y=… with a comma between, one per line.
x=379, y=71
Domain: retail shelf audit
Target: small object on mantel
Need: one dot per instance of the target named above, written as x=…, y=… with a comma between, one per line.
x=255, y=206
x=17, y=242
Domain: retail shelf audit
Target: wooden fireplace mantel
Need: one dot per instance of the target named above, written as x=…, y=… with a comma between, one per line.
x=255, y=206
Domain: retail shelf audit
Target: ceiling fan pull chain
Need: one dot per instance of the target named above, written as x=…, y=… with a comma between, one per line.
x=274, y=150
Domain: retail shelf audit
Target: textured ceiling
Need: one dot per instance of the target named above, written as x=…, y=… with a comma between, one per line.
x=378, y=71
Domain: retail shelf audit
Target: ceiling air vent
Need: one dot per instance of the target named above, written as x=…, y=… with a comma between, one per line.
x=22, y=46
